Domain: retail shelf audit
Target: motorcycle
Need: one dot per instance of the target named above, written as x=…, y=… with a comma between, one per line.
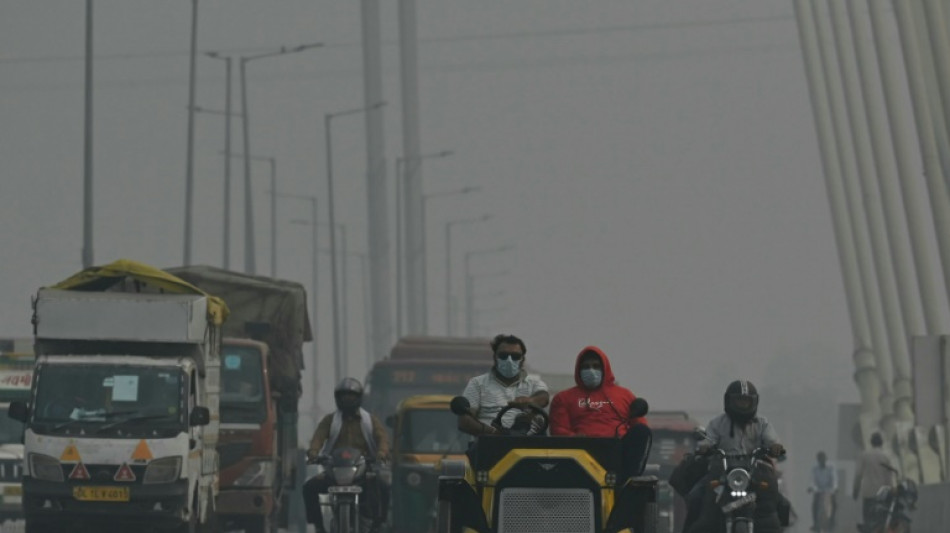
x=892, y=505
x=743, y=495
x=349, y=471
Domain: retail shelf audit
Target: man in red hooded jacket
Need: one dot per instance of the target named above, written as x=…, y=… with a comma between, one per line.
x=598, y=407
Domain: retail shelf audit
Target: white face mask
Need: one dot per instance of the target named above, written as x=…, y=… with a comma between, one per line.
x=508, y=368
x=591, y=377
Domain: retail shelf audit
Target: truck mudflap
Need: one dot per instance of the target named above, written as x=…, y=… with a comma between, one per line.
x=159, y=504
x=245, y=502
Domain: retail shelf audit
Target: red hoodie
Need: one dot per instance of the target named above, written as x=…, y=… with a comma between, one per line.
x=600, y=412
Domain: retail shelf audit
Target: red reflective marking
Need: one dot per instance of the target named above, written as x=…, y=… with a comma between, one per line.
x=79, y=472
x=124, y=473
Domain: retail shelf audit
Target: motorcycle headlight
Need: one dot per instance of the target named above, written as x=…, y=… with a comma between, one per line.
x=344, y=475
x=738, y=479
x=45, y=467
x=164, y=470
x=259, y=474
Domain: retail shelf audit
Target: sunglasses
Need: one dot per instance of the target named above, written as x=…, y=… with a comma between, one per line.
x=514, y=356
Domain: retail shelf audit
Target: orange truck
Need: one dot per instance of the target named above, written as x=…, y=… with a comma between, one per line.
x=261, y=366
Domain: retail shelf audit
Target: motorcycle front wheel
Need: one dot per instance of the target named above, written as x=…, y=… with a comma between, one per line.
x=343, y=519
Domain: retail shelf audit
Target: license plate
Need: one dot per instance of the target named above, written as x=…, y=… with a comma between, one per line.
x=13, y=490
x=348, y=489
x=743, y=501
x=101, y=494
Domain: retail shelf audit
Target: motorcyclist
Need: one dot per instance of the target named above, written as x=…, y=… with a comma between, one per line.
x=737, y=431
x=598, y=407
x=349, y=426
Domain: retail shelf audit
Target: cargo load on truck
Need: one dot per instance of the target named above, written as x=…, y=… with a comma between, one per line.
x=121, y=425
x=262, y=362
x=258, y=300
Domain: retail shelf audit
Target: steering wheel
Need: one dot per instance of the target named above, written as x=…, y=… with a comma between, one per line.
x=536, y=424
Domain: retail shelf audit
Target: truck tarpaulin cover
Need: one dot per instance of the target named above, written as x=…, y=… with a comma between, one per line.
x=279, y=303
x=142, y=277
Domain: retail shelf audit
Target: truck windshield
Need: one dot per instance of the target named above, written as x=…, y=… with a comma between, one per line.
x=242, y=385
x=431, y=431
x=105, y=396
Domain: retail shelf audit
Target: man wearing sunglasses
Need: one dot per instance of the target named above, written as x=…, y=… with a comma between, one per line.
x=506, y=384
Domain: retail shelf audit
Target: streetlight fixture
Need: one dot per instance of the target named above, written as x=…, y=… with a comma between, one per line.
x=249, y=262
x=448, y=265
x=400, y=256
x=425, y=233
x=327, y=123
x=227, y=150
x=190, y=149
x=87, y=190
x=313, y=288
x=469, y=285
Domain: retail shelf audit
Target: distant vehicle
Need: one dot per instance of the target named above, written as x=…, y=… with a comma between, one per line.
x=424, y=365
x=674, y=435
x=424, y=435
x=435, y=365
x=16, y=378
x=261, y=365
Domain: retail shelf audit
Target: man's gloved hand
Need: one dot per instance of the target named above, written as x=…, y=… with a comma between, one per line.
x=312, y=455
x=703, y=447
x=776, y=450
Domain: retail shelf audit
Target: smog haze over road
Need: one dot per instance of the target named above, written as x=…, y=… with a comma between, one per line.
x=652, y=164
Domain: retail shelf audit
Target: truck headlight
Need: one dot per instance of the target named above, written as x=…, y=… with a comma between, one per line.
x=45, y=467
x=259, y=474
x=164, y=470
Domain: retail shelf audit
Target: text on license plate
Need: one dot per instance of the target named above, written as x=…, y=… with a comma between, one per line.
x=348, y=489
x=101, y=494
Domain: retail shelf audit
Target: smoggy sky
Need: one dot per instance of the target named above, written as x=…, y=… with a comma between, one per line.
x=652, y=163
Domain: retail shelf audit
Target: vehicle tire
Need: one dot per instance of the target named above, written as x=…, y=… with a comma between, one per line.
x=343, y=519
x=443, y=522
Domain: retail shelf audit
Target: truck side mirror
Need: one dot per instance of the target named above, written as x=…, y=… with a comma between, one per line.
x=19, y=411
x=200, y=416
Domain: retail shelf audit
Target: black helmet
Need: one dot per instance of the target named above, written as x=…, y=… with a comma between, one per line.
x=741, y=401
x=348, y=387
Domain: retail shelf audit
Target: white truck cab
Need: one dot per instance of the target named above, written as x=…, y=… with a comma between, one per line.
x=122, y=422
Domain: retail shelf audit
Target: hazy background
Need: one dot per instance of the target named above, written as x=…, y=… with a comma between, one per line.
x=653, y=163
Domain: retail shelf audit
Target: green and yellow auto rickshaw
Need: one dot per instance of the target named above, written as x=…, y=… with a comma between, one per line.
x=424, y=435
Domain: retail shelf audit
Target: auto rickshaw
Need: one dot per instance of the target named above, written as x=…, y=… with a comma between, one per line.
x=523, y=481
x=424, y=436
